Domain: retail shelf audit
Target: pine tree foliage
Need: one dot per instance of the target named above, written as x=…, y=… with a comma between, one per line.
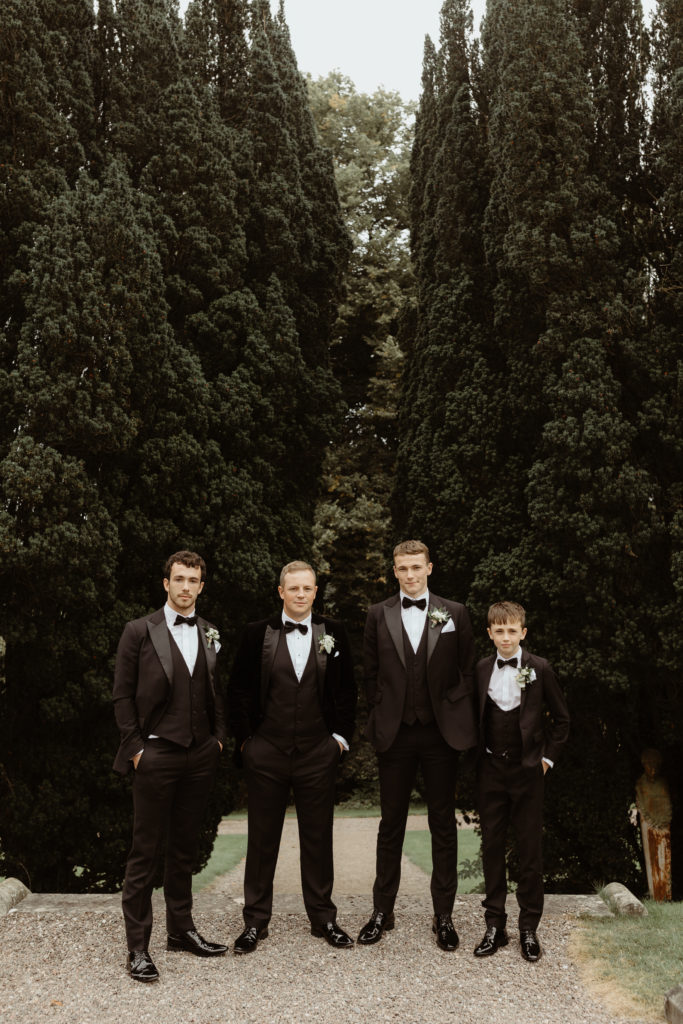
x=171, y=257
x=451, y=365
x=534, y=446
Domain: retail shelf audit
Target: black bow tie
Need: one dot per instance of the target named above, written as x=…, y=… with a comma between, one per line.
x=421, y=603
x=180, y=620
x=511, y=661
x=291, y=626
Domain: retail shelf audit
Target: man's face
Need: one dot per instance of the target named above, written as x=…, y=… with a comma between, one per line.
x=412, y=571
x=182, y=587
x=298, y=594
x=507, y=636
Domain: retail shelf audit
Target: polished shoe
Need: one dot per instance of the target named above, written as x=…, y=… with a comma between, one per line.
x=375, y=928
x=193, y=942
x=249, y=939
x=333, y=934
x=446, y=935
x=531, y=949
x=141, y=966
x=493, y=939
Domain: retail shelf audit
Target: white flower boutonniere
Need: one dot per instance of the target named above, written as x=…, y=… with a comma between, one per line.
x=326, y=643
x=524, y=677
x=212, y=635
x=438, y=617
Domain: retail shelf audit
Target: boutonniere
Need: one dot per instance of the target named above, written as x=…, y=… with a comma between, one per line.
x=326, y=643
x=438, y=616
x=212, y=635
x=524, y=677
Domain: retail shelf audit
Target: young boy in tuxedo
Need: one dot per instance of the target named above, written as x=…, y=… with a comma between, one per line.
x=518, y=745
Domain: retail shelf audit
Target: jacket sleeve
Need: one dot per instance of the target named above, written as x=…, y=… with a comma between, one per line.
x=370, y=657
x=556, y=733
x=347, y=694
x=241, y=699
x=125, y=689
x=219, y=724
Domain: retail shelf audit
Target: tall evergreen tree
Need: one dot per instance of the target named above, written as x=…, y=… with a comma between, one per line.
x=152, y=351
x=94, y=386
x=449, y=430
x=662, y=412
x=531, y=443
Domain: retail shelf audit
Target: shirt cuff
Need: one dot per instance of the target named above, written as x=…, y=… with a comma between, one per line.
x=340, y=739
x=551, y=764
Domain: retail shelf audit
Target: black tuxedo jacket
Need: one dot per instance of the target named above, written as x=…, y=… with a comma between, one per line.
x=541, y=737
x=450, y=664
x=250, y=678
x=143, y=678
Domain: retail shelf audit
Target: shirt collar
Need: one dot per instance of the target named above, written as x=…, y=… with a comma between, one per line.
x=516, y=654
x=303, y=622
x=171, y=615
x=425, y=594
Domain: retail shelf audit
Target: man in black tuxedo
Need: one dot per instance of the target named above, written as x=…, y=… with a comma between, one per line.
x=169, y=710
x=419, y=656
x=291, y=705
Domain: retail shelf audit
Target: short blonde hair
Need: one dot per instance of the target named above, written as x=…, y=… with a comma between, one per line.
x=506, y=611
x=411, y=547
x=296, y=567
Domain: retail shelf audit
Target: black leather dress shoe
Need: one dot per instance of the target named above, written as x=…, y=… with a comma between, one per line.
x=249, y=939
x=333, y=934
x=531, y=949
x=446, y=935
x=375, y=928
x=141, y=966
x=193, y=942
x=493, y=939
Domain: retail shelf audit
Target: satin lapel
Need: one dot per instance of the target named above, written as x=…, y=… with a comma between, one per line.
x=433, y=633
x=161, y=641
x=209, y=651
x=270, y=642
x=392, y=614
x=522, y=697
x=317, y=629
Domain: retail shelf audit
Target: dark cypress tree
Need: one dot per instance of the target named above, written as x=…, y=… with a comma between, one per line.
x=662, y=413
x=448, y=428
x=582, y=508
x=526, y=465
x=94, y=382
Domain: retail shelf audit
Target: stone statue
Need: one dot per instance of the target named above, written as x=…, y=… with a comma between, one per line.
x=654, y=807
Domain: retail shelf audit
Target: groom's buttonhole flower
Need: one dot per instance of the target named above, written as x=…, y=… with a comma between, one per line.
x=438, y=616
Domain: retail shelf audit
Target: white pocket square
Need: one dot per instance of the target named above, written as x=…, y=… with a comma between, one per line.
x=449, y=627
x=336, y=654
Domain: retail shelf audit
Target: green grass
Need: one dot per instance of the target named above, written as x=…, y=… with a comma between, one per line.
x=227, y=853
x=417, y=847
x=632, y=962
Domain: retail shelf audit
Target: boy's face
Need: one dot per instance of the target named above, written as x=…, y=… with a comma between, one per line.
x=507, y=636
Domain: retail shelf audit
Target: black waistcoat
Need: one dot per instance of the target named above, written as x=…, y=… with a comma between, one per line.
x=502, y=733
x=417, y=706
x=293, y=718
x=186, y=717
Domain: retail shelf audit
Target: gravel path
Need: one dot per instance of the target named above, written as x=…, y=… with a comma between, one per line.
x=62, y=959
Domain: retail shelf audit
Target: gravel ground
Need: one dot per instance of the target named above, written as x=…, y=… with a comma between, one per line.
x=63, y=959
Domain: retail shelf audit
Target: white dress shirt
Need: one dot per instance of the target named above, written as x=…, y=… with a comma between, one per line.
x=186, y=637
x=502, y=686
x=299, y=644
x=414, y=618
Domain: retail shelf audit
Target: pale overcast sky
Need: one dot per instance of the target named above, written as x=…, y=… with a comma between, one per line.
x=374, y=42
